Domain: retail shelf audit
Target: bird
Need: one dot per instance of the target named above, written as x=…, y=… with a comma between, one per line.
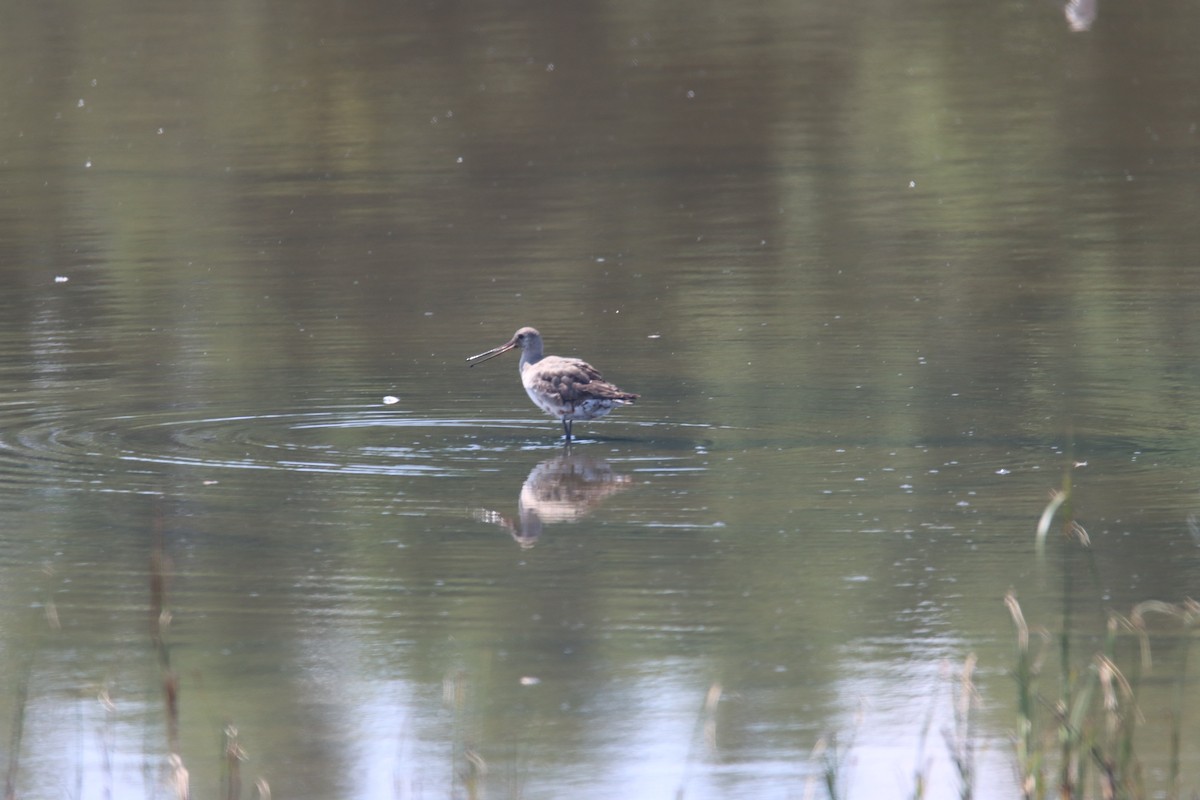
x=565, y=388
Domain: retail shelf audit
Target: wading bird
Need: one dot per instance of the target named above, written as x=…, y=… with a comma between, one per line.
x=565, y=388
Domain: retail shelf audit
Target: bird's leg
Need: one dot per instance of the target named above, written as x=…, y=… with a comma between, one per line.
x=567, y=429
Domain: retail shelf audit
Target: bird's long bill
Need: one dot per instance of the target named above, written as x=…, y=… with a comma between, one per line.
x=495, y=351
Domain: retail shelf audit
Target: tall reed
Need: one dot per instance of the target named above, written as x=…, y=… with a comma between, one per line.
x=1085, y=734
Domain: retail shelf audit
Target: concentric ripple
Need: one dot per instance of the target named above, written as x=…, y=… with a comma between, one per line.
x=40, y=445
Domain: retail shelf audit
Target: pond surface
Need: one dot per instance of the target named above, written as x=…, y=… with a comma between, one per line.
x=883, y=277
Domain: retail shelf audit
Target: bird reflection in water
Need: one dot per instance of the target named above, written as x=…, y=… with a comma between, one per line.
x=562, y=489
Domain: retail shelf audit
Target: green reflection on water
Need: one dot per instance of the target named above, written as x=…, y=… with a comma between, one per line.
x=867, y=274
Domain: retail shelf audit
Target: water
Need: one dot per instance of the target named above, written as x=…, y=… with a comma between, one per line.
x=880, y=277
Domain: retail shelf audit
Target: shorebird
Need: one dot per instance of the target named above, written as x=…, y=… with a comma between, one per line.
x=565, y=388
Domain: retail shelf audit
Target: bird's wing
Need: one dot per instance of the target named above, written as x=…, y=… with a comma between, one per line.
x=574, y=381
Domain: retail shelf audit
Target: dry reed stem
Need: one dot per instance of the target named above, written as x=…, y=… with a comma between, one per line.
x=234, y=756
x=1014, y=609
x=1057, y=498
x=710, y=715
x=178, y=781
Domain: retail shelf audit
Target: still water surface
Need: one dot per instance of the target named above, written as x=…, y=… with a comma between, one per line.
x=880, y=275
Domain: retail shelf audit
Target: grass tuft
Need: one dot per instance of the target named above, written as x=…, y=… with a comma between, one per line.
x=1086, y=733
